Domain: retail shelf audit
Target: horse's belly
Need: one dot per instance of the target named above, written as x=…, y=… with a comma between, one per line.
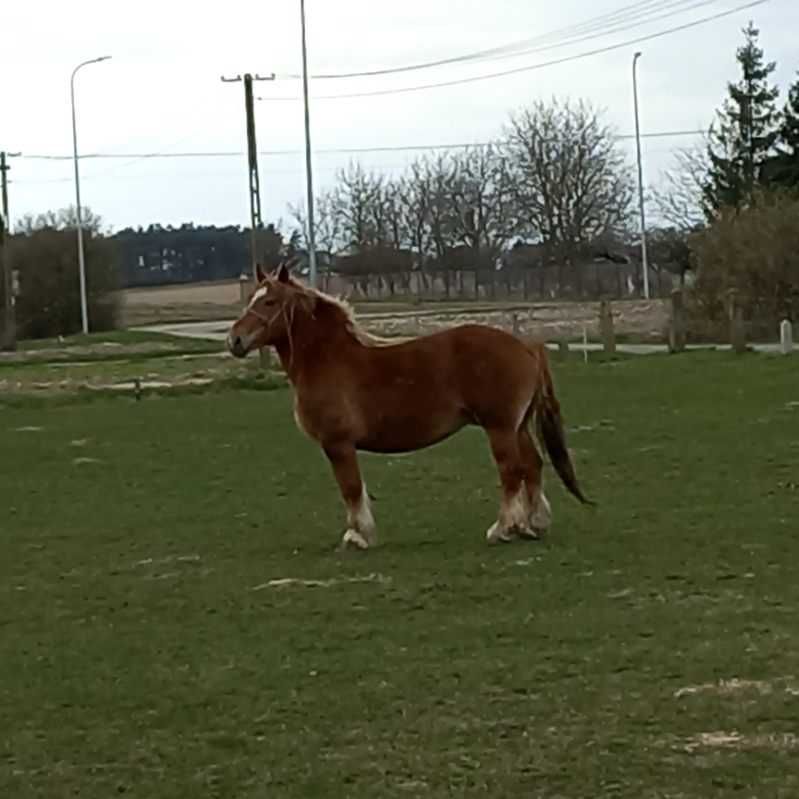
x=406, y=433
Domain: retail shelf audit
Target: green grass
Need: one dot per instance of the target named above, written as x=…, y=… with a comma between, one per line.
x=143, y=655
x=152, y=366
x=122, y=337
x=43, y=359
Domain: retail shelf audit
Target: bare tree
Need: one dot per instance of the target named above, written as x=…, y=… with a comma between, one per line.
x=395, y=232
x=441, y=215
x=413, y=200
x=426, y=206
x=481, y=199
x=570, y=182
x=327, y=229
x=680, y=200
x=356, y=202
x=63, y=219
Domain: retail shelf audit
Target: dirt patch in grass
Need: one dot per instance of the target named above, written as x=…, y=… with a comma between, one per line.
x=774, y=742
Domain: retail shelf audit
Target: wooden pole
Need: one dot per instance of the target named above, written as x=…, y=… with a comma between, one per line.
x=8, y=334
x=606, y=331
x=244, y=290
x=677, y=322
x=737, y=330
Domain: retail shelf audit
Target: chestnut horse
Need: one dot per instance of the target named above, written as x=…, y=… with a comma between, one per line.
x=354, y=391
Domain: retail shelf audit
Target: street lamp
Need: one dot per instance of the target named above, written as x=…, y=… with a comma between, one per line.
x=644, y=260
x=308, y=172
x=84, y=312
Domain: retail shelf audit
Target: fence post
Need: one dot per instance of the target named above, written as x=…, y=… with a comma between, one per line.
x=737, y=331
x=514, y=321
x=563, y=349
x=677, y=322
x=786, y=337
x=606, y=328
x=244, y=289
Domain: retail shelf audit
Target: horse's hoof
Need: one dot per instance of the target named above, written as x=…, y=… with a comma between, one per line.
x=353, y=539
x=496, y=535
x=529, y=533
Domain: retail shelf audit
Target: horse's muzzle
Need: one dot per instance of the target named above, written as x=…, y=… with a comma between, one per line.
x=236, y=345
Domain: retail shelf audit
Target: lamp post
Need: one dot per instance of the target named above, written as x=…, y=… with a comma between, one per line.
x=84, y=312
x=308, y=168
x=644, y=260
x=8, y=334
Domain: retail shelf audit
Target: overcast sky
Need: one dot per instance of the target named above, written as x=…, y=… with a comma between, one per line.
x=162, y=91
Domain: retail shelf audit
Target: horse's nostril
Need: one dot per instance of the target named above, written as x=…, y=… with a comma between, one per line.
x=236, y=346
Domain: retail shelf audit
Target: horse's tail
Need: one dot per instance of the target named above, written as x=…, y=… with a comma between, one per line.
x=550, y=429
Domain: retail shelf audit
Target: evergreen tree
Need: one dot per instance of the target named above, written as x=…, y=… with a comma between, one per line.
x=745, y=133
x=788, y=159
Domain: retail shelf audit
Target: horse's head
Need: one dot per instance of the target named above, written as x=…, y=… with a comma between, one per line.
x=268, y=316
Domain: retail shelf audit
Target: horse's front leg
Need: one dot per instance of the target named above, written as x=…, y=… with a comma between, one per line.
x=360, y=522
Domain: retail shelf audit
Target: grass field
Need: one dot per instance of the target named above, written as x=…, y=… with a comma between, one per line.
x=644, y=649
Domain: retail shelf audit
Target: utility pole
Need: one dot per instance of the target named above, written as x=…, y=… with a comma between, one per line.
x=254, y=184
x=8, y=335
x=252, y=161
x=308, y=170
x=644, y=259
x=84, y=302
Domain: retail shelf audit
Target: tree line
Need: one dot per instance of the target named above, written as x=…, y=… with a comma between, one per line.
x=555, y=183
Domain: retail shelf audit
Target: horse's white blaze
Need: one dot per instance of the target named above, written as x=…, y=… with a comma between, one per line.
x=261, y=292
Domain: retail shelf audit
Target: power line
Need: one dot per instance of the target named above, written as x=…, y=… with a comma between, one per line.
x=529, y=67
x=633, y=16
x=332, y=150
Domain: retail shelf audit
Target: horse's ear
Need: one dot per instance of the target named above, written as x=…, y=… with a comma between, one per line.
x=259, y=273
x=283, y=273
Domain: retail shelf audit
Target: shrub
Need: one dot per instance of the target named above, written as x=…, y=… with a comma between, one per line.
x=45, y=252
x=754, y=251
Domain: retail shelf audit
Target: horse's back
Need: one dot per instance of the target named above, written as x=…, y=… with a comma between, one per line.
x=469, y=366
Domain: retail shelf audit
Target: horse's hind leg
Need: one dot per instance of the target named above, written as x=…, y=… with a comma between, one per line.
x=360, y=522
x=514, y=509
x=540, y=511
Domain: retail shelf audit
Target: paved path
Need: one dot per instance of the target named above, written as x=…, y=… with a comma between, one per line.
x=217, y=331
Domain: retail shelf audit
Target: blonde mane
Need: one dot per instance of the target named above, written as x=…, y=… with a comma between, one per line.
x=351, y=325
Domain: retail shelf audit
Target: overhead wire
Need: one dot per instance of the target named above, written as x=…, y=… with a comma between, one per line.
x=622, y=19
x=637, y=9
x=331, y=150
x=528, y=67
x=282, y=153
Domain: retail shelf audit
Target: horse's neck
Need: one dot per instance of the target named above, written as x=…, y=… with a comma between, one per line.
x=311, y=345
